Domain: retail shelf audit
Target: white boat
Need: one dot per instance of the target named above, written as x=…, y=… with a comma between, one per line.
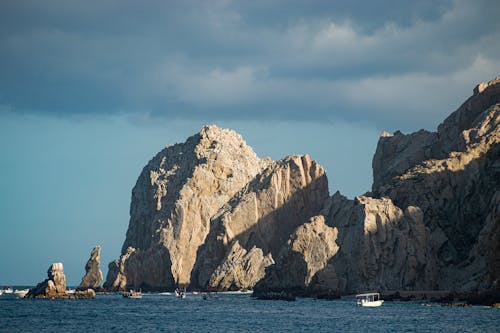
x=70, y=291
x=1, y=292
x=133, y=294
x=369, y=299
x=8, y=290
x=21, y=293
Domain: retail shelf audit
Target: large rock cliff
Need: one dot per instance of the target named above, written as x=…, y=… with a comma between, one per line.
x=430, y=222
x=176, y=194
x=210, y=214
x=457, y=188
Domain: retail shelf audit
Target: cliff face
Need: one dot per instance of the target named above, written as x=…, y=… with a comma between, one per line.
x=209, y=214
x=431, y=221
x=177, y=193
x=354, y=245
x=457, y=188
x=259, y=220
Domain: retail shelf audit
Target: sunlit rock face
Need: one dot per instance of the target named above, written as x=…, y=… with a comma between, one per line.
x=456, y=186
x=430, y=222
x=93, y=275
x=258, y=221
x=209, y=214
x=52, y=287
x=177, y=193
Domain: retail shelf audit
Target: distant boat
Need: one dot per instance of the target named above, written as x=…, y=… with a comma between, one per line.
x=181, y=294
x=133, y=294
x=70, y=291
x=369, y=299
x=1, y=292
x=8, y=290
x=21, y=293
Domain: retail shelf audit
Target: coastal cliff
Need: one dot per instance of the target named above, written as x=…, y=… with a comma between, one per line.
x=431, y=220
x=209, y=214
x=176, y=195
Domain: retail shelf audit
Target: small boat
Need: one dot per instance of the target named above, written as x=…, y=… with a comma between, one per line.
x=21, y=293
x=133, y=294
x=1, y=292
x=8, y=290
x=369, y=299
x=181, y=294
x=70, y=291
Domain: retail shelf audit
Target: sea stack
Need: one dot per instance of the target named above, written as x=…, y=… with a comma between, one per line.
x=93, y=275
x=176, y=195
x=55, y=286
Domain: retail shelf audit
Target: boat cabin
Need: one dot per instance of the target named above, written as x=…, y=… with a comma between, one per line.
x=369, y=299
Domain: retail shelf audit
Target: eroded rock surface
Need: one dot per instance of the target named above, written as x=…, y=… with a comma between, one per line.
x=307, y=252
x=55, y=286
x=261, y=218
x=177, y=193
x=455, y=187
x=93, y=275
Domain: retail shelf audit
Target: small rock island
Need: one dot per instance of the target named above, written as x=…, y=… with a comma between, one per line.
x=54, y=287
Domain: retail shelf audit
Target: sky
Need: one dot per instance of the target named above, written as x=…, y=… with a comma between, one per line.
x=91, y=90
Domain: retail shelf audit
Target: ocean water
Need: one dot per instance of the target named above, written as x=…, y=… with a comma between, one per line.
x=236, y=313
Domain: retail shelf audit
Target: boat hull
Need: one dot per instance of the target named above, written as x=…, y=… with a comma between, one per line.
x=372, y=304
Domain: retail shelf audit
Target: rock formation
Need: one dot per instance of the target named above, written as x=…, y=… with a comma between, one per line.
x=210, y=214
x=55, y=286
x=457, y=189
x=431, y=221
x=93, y=275
x=258, y=221
x=306, y=252
x=177, y=193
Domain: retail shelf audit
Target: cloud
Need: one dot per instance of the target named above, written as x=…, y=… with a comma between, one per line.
x=323, y=61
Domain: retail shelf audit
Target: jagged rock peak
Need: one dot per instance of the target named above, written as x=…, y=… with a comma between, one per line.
x=175, y=196
x=481, y=87
x=93, y=275
x=398, y=153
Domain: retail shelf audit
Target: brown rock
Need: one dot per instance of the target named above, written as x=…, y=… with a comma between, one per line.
x=307, y=252
x=173, y=200
x=53, y=287
x=93, y=275
x=261, y=216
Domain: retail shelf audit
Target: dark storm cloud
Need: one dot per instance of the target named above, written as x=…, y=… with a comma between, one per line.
x=376, y=61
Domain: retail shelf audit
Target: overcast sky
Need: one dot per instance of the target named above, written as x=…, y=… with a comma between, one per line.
x=91, y=90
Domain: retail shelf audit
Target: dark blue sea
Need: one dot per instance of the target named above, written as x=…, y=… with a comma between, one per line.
x=236, y=313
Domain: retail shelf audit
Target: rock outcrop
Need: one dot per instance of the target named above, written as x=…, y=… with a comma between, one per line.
x=93, y=275
x=430, y=222
x=176, y=195
x=307, y=252
x=55, y=286
x=457, y=189
x=361, y=244
x=211, y=215
x=259, y=221
x=381, y=247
